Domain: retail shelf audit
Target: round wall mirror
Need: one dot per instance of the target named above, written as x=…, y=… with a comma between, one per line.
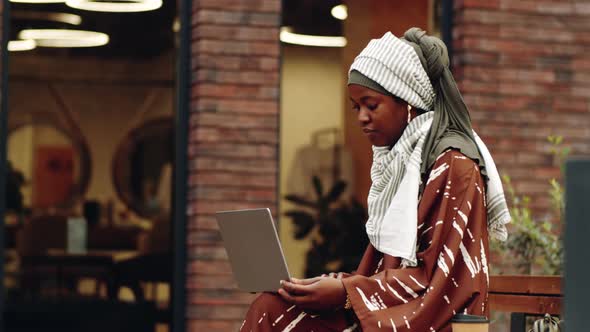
x=53, y=167
x=142, y=168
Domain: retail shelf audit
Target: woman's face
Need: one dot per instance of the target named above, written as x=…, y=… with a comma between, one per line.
x=382, y=118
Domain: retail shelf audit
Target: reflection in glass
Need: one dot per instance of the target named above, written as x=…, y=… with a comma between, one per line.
x=142, y=168
x=48, y=162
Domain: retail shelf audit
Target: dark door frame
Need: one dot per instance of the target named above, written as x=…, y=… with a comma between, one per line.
x=181, y=117
x=3, y=135
x=179, y=196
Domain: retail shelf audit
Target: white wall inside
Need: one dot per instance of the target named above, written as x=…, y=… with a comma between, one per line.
x=311, y=99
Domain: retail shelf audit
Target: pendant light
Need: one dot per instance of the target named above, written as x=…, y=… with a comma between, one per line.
x=64, y=37
x=21, y=45
x=38, y=1
x=126, y=6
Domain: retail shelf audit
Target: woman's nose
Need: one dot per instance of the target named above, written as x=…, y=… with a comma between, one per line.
x=363, y=116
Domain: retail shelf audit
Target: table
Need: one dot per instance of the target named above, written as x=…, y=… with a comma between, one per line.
x=97, y=264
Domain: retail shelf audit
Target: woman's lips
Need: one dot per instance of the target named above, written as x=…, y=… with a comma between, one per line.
x=370, y=133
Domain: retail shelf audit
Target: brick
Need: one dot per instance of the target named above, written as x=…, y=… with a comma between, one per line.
x=508, y=18
x=469, y=86
x=240, y=180
x=493, y=74
x=555, y=7
x=213, y=325
x=538, y=7
x=269, y=78
x=222, y=312
x=231, y=47
x=475, y=58
x=531, y=187
x=235, y=91
x=234, y=150
x=242, y=106
x=234, y=63
x=571, y=105
x=209, y=267
x=219, y=297
x=234, y=121
x=232, y=179
x=225, y=17
x=547, y=173
x=207, y=222
x=488, y=4
x=578, y=76
x=475, y=30
x=206, y=253
x=229, y=194
x=273, y=6
x=234, y=136
x=212, y=282
x=553, y=35
x=250, y=166
x=577, y=24
x=581, y=8
x=235, y=33
x=204, y=237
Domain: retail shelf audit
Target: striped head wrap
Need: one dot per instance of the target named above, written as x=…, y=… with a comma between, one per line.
x=415, y=68
x=395, y=66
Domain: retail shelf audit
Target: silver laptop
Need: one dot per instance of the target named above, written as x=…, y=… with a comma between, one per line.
x=253, y=247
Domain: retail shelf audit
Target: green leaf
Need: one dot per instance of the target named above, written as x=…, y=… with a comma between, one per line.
x=558, y=140
x=336, y=191
x=317, y=185
x=300, y=200
x=303, y=222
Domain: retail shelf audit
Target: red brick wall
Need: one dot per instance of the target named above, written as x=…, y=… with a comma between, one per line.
x=233, y=147
x=524, y=71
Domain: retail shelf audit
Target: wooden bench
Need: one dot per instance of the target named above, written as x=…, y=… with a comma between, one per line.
x=524, y=295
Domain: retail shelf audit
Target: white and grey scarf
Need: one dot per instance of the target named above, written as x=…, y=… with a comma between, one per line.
x=393, y=197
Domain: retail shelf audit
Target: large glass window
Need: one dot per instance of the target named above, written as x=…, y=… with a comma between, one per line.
x=90, y=157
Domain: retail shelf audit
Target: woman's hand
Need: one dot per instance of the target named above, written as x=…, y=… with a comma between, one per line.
x=319, y=293
x=337, y=275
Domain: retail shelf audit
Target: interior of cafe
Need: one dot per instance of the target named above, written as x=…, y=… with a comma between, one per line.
x=90, y=153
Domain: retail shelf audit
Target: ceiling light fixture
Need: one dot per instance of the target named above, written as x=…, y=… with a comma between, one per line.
x=65, y=38
x=47, y=16
x=38, y=1
x=287, y=36
x=127, y=6
x=21, y=45
x=340, y=12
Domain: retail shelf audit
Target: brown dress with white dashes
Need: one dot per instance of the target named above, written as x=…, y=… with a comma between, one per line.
x=452, y=274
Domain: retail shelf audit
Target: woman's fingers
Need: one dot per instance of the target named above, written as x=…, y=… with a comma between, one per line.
x=295, y=289
x=286, y=296
x=307, y=281
x=301, y=301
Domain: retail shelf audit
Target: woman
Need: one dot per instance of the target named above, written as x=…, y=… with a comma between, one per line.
x=435, y=198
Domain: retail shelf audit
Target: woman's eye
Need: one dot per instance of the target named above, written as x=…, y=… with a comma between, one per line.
x=356, y=108
x=372, y=107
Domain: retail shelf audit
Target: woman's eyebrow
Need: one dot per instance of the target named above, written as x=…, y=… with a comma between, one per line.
x=363, y=98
